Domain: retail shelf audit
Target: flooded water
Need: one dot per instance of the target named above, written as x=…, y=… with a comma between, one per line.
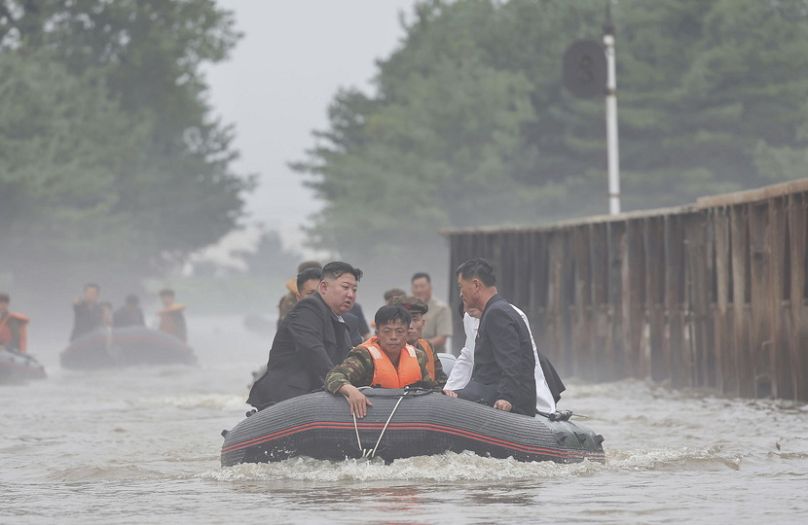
x=142, y=446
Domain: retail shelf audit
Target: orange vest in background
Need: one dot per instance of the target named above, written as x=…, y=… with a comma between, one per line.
x=385, y=374
x=172, y=323
x=430, y=357
x=14, y=326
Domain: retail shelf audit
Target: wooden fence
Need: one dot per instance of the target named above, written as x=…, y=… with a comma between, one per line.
x=709, y=295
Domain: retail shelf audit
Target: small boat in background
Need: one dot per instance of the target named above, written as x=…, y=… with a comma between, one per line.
x=18, y=367
x=129, y=346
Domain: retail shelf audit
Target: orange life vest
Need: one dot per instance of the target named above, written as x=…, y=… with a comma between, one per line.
x=14, y=331
x=430, y=357
x=385, y=374
x=172, y=321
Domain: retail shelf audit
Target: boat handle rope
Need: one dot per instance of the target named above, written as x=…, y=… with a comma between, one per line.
x=371, y=453
x=561, y=415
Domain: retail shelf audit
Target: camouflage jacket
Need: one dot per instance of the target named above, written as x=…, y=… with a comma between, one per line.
x=357, y=369
x=440, y=375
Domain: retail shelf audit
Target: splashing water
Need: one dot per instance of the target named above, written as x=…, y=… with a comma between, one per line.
x=142, y=446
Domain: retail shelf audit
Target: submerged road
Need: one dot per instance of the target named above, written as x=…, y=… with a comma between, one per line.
x=142, y=445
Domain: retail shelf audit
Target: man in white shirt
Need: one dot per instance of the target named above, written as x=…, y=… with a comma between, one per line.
x=463, y=366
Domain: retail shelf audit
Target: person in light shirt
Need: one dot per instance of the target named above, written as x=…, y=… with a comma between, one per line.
x=438, y=327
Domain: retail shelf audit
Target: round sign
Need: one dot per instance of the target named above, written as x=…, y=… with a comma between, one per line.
x=585, y=69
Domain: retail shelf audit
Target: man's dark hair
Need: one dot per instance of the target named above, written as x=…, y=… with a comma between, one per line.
x=477, y=268
x=309, y=274
x=92, y=285
x=421, y=275
x=392, y=293
x=132, y=300
x=336, y=269
x=305, y=265
x=4, y=297
x=166, y=292
x=390, y=313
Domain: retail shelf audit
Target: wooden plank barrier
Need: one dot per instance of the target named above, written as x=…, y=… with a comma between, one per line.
x=710, y=295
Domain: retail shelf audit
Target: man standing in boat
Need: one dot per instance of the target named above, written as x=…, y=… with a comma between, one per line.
x=308, y=282
x=294, y=294
x=385, y=360
x=13, y=327
x=438, y=325
x=311, y=340
x=172, y=316
x=87, y=313
x=504, y=363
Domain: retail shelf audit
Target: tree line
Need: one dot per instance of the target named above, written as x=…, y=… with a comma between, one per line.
x=111, y=161
x=469, y=124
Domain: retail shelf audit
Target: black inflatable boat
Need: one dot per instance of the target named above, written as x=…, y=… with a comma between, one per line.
x=17, y=367
x=400, y=424
x=126, y=347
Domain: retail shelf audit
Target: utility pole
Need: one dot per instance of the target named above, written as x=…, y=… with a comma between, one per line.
x=613, y=150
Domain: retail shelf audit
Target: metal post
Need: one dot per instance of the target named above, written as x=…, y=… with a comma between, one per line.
x=612, y=147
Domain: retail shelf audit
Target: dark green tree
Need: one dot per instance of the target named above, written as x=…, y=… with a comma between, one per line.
x=270, y=260
x=470, y=124
x=117, y=165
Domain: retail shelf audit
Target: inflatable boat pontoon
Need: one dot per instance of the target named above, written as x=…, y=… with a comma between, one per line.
x=17, y=367
x=401, y=424
x=126, y=347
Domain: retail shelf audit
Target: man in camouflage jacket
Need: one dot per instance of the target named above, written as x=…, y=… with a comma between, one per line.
x=358, y=369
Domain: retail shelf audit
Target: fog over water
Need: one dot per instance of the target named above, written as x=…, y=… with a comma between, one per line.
x=278, y=84
x=141, y=445
x=485, y=135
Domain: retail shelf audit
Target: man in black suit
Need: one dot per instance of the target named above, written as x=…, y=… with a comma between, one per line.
x=504, y=363
x=87, y=313
x=311, y=340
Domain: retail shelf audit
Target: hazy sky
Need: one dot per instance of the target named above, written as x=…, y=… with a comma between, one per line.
x=277, y=86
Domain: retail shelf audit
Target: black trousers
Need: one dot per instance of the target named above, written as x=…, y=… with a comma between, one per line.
x=487, y=395
x=479, y=393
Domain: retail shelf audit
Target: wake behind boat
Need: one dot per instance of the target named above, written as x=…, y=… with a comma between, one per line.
x=402, y=423
x=127, y=346
x=18, y=367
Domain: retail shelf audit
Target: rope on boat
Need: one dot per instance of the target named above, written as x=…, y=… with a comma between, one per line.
x=358, y=441
x=388, y=422
x=371, y=453
x=561, y=415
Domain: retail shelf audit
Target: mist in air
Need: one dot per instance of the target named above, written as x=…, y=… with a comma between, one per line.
x=177, y=160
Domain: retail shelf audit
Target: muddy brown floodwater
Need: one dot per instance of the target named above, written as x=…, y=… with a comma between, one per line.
x=142, y=445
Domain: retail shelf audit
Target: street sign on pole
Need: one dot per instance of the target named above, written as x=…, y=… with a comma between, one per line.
x=589, y=71
x=585, y=69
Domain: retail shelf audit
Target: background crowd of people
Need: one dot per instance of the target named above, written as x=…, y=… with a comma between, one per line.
x=91, y=313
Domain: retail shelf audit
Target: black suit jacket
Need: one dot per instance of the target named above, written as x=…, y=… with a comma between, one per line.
x=503, y=356
x=310, y=341
x=86, y=318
